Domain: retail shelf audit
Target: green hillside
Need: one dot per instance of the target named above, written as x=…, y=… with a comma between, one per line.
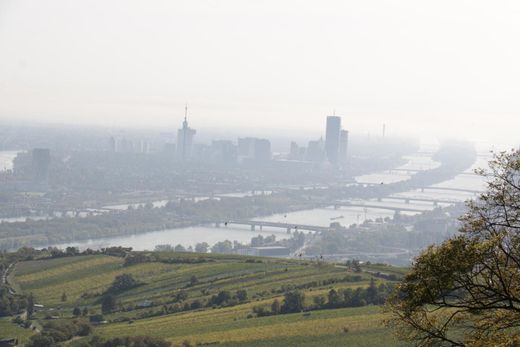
x=209, y=299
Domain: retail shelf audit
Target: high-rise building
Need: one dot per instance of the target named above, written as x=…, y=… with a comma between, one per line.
x=185, y=138
x=332, y=138
x=250, y=148
x=144, y=147
x=245, y=147
x=316, y=151
x=224, y=151
x=296, y=152
x=343, y=147
x=262, y=150
x=41, y=160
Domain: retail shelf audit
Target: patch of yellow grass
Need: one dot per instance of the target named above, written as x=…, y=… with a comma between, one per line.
x=309, y=327
x=65, y=268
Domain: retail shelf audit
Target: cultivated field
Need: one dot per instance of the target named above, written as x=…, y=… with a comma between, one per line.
x=61, y=284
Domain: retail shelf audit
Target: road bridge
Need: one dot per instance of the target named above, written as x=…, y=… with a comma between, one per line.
x=406, y=171
x=463, y=190
x=286, y=226
x=338, y=204
x=432, y=200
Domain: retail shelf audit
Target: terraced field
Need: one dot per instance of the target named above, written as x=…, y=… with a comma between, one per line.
x=84, y=279
x=230, y=326
x=8, y=329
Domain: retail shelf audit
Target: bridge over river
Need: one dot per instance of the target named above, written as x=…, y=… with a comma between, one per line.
x=287, y=226
x=338, y=204
x=449, y=189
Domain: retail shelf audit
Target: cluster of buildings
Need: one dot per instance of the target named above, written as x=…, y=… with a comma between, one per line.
x=124, y=145
x=245, y=150
x=332, y=150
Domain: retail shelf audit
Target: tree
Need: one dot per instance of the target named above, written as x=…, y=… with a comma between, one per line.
x=221, y=298
x=371, y=292
x=163, y=248
x=64, y=297
x=202, y=247
x=193, y=280
x=333, y=298
x=241, y=295
x=76, y=311
x=356, y=265
x=293, y=302
x=179, y=248
x=30, y=305
x=222, y=247
x=41, y=341
x=319, y=301
x=122, y=282
x=275, y=307
x=108, y=303
x=466, y=291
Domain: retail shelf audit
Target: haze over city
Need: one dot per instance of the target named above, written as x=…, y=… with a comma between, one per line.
x=448, y=68
x=239, y=173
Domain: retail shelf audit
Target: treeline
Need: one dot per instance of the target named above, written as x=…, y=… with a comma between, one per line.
x=180, y=303
x=387, y=236
x=294, y=301
x=174, y=215
x=11, y=303
x=56, y=332
x=128, y=341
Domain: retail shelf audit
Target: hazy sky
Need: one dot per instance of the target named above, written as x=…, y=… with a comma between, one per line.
x=418, y=66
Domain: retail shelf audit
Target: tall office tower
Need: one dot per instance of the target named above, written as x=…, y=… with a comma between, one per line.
x=316, y=151
x=343, y=147
x=332, y=138
x=245, y=147
x=41, y=160
x=185, y=138
x=224, y=151
x=144, y=147
x=262, y=150
x=294, y=153
x=254, y=149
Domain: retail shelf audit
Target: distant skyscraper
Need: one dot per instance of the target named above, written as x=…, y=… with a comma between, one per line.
x=41, y=160
x=294, y=152
x=343, y=147
x=251, y=148
x=185, y=138
x=316, y=151
x=245, y=147
x=262, y=150
x=145, y=147
x=332, y=138
x=224, y=151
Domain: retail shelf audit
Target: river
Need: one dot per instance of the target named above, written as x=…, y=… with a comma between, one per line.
x=320, y=216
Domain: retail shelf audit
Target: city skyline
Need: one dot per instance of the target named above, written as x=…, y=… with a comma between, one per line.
x=237, y=72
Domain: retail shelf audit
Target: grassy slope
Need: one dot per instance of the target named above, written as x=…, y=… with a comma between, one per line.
x=10, y=330
x=48, y=279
